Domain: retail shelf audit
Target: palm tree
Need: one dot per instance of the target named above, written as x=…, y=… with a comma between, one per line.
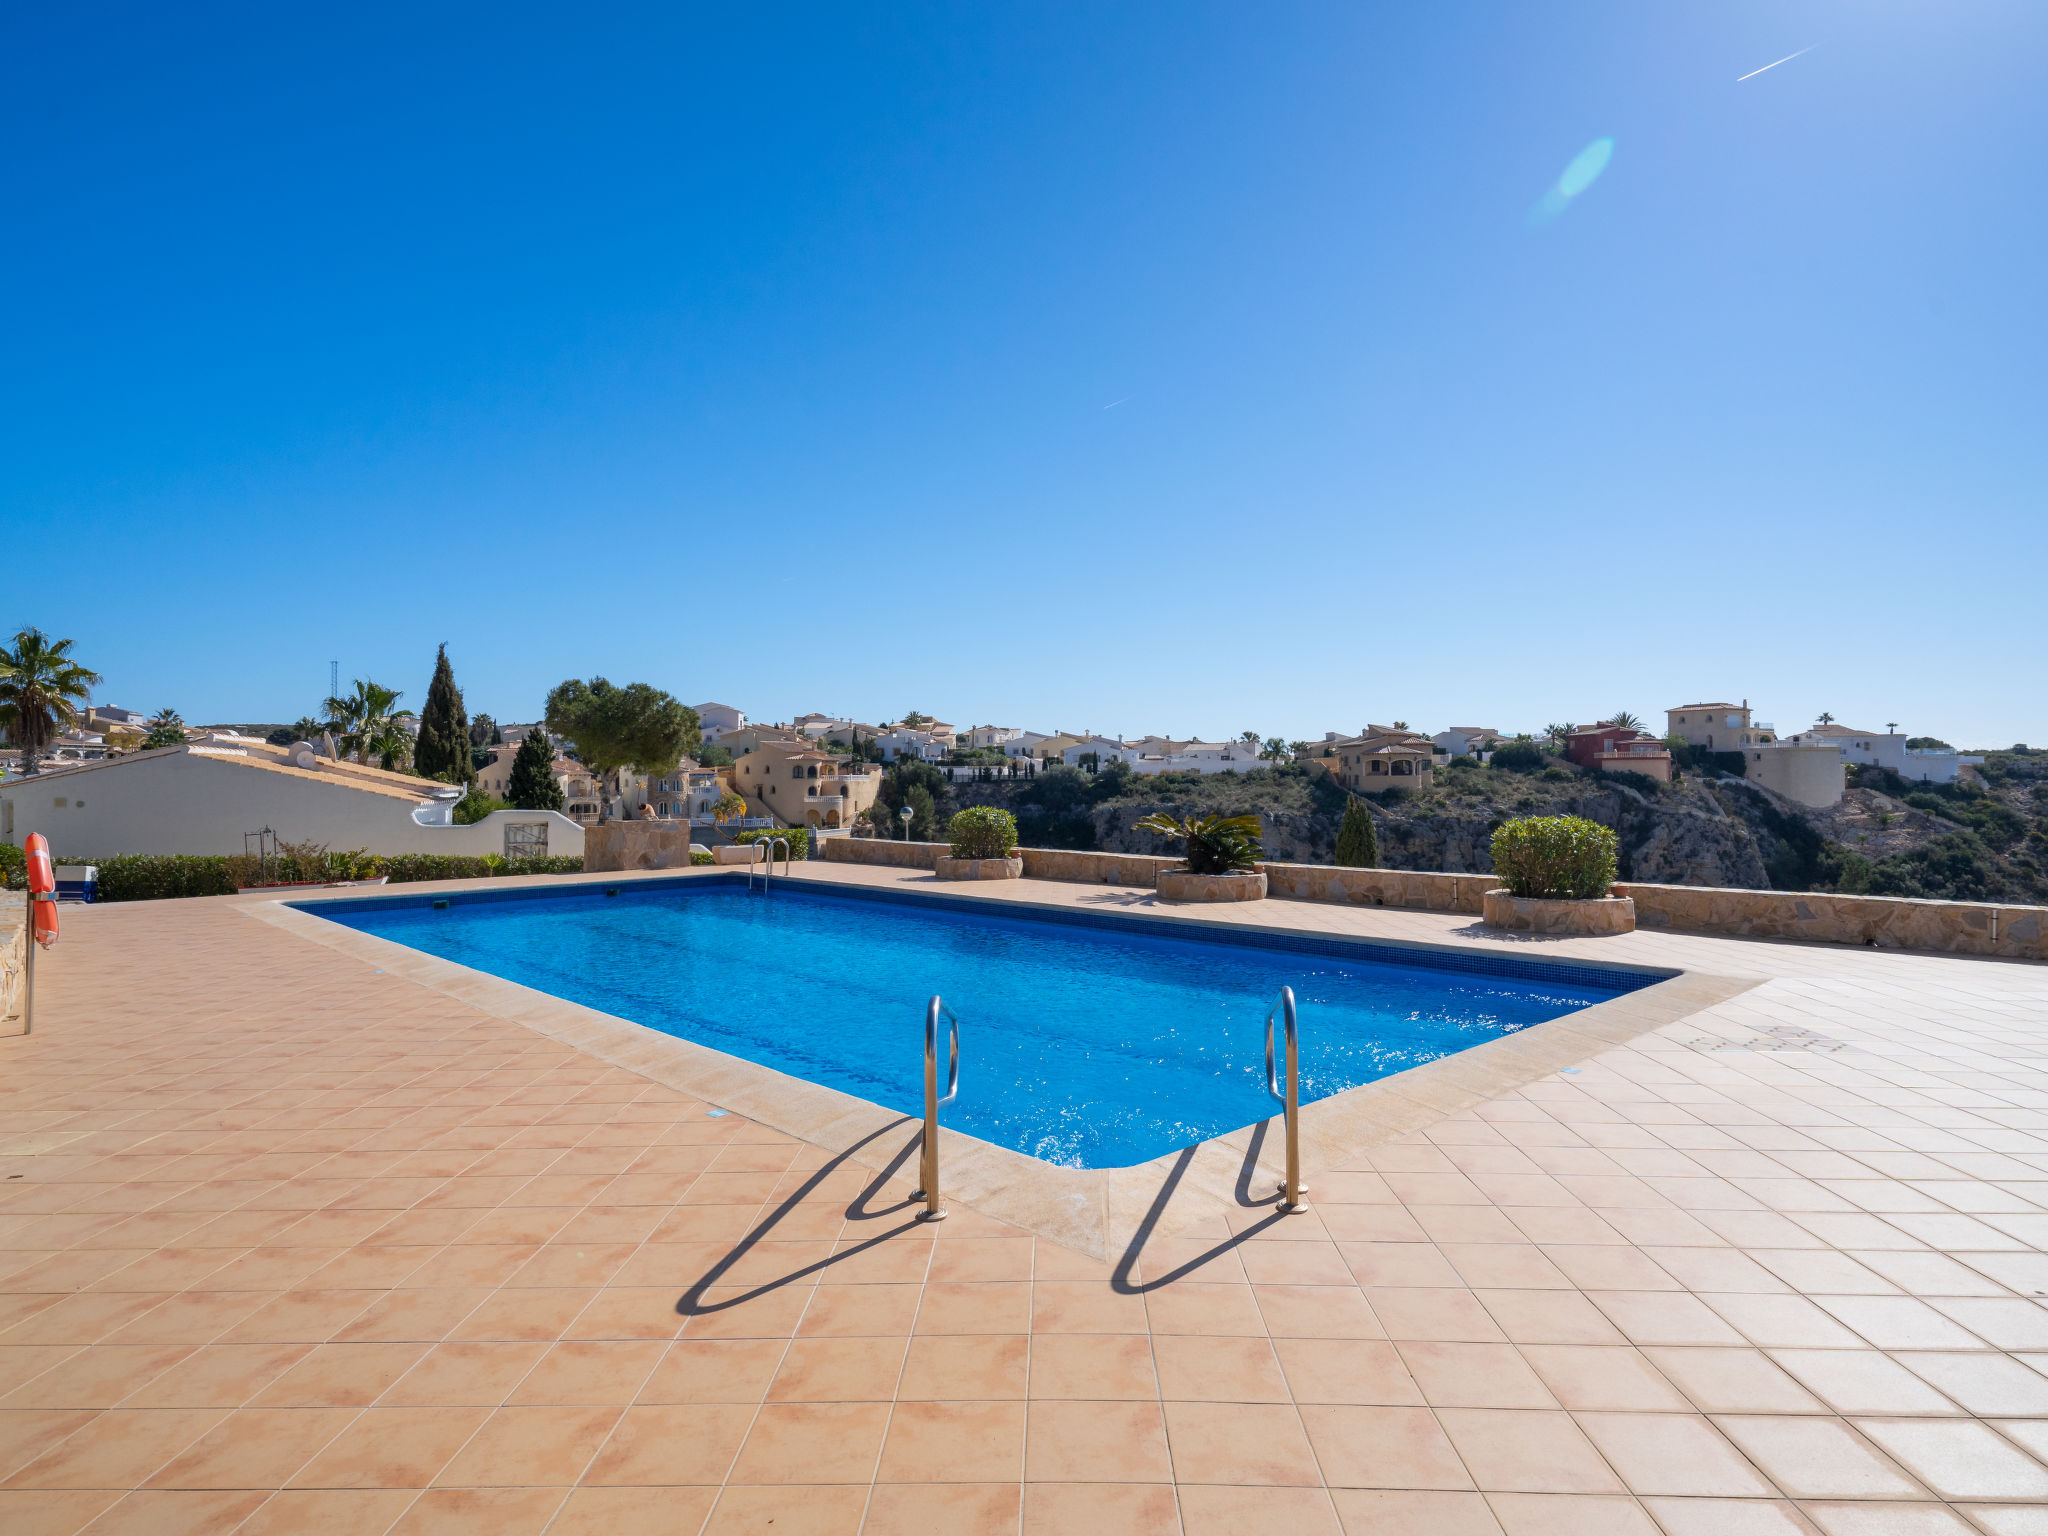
x=1625, y=720
x=1825, y=718
x=1559, y=733
x=1274, y=749
x=1217, y=845
x=166, y=730
x=41, y=689
x=366, y=726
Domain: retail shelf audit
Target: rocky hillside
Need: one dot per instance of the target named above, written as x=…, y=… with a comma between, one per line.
x=1986, y=841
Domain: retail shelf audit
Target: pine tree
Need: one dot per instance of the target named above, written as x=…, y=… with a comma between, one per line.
x=443, y=748
x=532, y=785
x=1358, y=843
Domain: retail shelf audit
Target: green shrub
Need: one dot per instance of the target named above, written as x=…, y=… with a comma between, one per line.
x=982, y=832
x=1358, y=841
x=1217, y=845
x=158, y=877
x=703, y=858
x=1555, y=858
x=13, y=868
x=1519, y=757
x=476, y=805
x=799, y=838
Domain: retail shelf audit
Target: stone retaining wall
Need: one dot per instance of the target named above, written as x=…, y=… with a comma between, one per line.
x=612, y=845
x=1882, y=922
x=1886, y=922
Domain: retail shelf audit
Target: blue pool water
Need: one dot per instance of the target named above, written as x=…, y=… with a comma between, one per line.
x=1095, y=1044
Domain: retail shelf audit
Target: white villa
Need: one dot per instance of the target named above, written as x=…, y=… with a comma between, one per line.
x=1888, y=749
x=203, y=796
x=716, y=720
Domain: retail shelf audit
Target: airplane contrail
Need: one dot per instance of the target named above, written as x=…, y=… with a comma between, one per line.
x=1115, y=403
x=1775, y=63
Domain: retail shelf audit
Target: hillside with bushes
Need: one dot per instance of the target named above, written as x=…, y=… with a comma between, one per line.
x=1986, y=840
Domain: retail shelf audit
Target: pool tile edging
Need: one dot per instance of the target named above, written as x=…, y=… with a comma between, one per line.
x=1093, y=1211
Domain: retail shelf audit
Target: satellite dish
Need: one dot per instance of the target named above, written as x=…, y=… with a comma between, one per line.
x=327, y=741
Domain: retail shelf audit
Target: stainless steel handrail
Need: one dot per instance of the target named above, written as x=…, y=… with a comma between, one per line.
x=1291, y=1191
x=766, y=863
x=928, y=1163
x=28, y=1000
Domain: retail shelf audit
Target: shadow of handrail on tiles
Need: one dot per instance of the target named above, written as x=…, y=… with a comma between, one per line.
x=692, y=1302
x=1120, y=1279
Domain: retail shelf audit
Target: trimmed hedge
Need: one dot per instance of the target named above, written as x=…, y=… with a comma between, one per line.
x=1555, y=858
x=982, y=832
x=799, y=838
x=13, y=867
x=159, y=877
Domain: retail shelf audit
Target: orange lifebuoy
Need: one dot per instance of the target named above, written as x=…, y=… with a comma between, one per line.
x=42, y=881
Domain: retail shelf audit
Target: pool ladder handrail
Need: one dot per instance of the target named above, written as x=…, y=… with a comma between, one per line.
x=766, y=864
x=1291, y=1191
x=928, y=1162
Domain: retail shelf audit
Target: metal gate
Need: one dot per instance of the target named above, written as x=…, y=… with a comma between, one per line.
x=526, y=839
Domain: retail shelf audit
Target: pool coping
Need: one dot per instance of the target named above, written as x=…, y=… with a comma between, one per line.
x=1097, y=1212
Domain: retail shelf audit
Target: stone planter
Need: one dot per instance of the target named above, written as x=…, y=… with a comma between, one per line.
x=1180, y=885
x=1011, y=868
x=1592, y=919
x=741, y=853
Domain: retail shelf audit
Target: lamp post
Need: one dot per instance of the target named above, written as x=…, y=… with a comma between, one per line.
x=905, y=813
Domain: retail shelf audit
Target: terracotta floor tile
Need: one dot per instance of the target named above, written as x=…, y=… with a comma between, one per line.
x=218, y=1376
x=714, y=1371
x=160, y=1512
x=1682, y=1455
x=1093, y=1366
x=481, y=1511
x=1547, y=1514
x=969, y=1307
x=646, y=1314
x=531, y=1448
x=1521, y=1451
x=1189, y=1306
x=965, y=1367
x=1862, y=1381
x=1406, y=1265
x=1354, y=1371
x=254, y=1448
x=51, y=1511
x=118, y=1449
x=340, y=1376
x=1362, y=1447
x=584, y=1372
x=1663, y=1317
x=633, y=1511
x=835, y=1370
x=479, y=1375
x=368, y=1266
x=88, y=1317
x=1389, y=1512
x=27, y=1433
x=812, y=1443
x=328, y=1512
x=795, y=1510
x=1739, y=1517
x=899, y=1261
x=392, y=1448
x=1084, y=1306
x=954, y=1442
x=1243, y=1443
x=1308, y=1312
x=983, y=1258
x=469, y=1266
x=1226, y=1511
x=1199, y=1368
x=535, y=1314
x=849, y=1311
x=1474, y=1376
x=672, y=1444
x=958, y=1509
x=1433, y=1314
x=98, y=1376
x=1733, y=1381
x=1960, y=1458
x=1603, y=1378
x=23, y=1364
x=1100, y=1509
x=1095, y=1442
x=1869, y=1518
x=1814, y=1458
x=424, y=1316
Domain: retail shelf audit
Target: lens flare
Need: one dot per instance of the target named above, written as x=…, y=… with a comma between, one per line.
x=1584, y=170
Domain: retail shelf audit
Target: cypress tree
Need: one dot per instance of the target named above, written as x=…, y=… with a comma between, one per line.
x=532, y=785
x=442, y=751
x=1358, y=842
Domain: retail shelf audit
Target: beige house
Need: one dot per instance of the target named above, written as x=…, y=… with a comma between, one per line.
x=495, y=777
x=1379, y=758
x=1809, y=773
x=1719, y=727
x=801, y=787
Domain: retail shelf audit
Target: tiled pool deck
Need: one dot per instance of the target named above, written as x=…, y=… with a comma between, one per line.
x=290, y=1245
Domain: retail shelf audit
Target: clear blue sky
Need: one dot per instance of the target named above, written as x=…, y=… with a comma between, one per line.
x=1188, y=368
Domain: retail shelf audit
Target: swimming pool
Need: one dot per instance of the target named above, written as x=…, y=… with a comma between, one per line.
x=1094, y=1041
